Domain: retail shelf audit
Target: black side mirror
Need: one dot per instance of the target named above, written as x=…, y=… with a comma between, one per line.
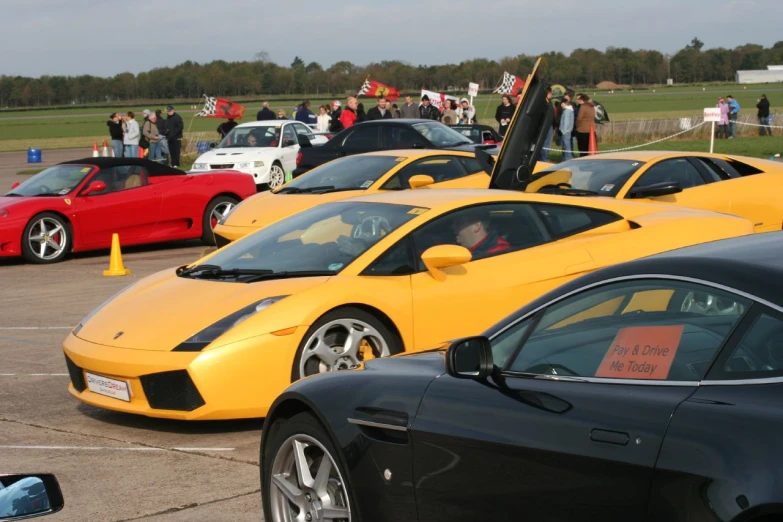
x=663, y=188
x=28, y=496
x=213, y=144
x=485, y=159
x=470, y=358
x=304, y=141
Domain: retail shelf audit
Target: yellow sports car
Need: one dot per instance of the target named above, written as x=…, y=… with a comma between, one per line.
x=351, y=176
x=345, y=281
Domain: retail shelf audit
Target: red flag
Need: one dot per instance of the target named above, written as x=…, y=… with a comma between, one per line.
x=220, y=108
x=375, y=89
x=510, y=84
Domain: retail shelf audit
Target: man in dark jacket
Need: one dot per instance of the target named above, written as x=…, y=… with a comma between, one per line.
x=763, y=114
x=174, y=129
x=265, y=113
x=226, y=127
x=115, y=131
x=381, y=112
x=335, y=125
x=427, y=111
x=305, y=115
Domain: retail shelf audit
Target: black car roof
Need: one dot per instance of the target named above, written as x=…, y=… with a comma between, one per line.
x=752, y=264
x=153, y=168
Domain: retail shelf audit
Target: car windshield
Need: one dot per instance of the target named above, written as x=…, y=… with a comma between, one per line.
x=54, y=181
x=349, y=173
x=265, y=136
x=604, y=177
x=440, y=135
x=322, y=240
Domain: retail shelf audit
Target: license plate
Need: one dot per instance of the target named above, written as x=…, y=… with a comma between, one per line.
x=108, y=387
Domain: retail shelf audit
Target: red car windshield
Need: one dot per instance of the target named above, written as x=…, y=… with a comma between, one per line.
x=54, y=181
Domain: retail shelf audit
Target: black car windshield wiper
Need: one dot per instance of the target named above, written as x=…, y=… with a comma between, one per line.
x=12, y=195
x=306, y=190
x=215, y=271
x=288, y=274
x=554, y=189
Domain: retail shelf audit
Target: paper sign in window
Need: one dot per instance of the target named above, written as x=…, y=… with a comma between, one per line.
x=641, y=352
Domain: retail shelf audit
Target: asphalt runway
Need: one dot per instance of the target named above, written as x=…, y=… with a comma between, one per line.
x=111, y=466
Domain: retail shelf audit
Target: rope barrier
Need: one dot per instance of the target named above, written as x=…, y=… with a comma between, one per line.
x=642, y=145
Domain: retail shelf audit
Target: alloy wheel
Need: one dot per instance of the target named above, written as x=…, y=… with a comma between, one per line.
x=47, y=238
x=341, y=344
x=220, y=210
x=276, y=176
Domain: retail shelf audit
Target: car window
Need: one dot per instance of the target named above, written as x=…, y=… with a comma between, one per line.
x=678, y=170
x=398, y=260
x=394, y=137
x=120, y=178
x=252, y=136
x=471, y=165
x=743, y=168
x=362, y=139
x=439, y=168
x=640, y=330
x=302, y=129
x=57, y=180
x=758, y=354
x=358, y=172
x=604, y=177
x=714, y=171
x=288, y=134
x=562, y=221
x=440, y=135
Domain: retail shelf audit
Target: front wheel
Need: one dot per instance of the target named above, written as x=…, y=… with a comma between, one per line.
x=301, y=475
x=276, y=176
x=343, y=339
x=46, y=239
x=216, y=209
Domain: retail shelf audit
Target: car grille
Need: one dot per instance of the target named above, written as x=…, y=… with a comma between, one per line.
x=221, y=166
x=171, y=391
x=77, y=375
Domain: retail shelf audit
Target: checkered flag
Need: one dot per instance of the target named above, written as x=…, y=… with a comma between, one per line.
x=210, y=107
x=365, y=88
x=507, y=84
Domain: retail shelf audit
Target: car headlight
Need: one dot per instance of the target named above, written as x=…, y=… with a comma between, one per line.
x=205, y=337
x=250, y=164
x=96, y=310
x=200, y=166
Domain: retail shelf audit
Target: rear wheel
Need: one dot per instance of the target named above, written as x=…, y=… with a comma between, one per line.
x=216, y=209
x=46, y=239
x=276, y=176
x=302, y=477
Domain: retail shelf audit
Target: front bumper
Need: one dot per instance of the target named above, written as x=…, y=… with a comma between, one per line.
x=236, y=381
x=225, y=234
x=11, y=231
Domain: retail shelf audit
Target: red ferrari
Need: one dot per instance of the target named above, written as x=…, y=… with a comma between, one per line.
x=77, y=205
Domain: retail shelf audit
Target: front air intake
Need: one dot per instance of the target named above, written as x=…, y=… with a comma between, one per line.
x=171, y=391
x=77, y=375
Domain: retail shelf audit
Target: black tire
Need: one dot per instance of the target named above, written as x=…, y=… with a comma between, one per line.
x=268, y=185
x=391, y=339
x=207, y=237
x=304, y=423
x=27, y=251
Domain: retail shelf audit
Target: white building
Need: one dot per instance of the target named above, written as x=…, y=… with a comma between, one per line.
x=772, y=74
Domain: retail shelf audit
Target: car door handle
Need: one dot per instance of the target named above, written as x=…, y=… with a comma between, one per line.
x=610, y=437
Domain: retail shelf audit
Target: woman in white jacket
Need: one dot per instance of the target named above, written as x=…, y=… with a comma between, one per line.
x=323, y=119
x=131, y=138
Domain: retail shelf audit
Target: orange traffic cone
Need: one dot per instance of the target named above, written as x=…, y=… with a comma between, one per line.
x=592, y=145
x=94, y=149
x=105, y=151
x=116, y=267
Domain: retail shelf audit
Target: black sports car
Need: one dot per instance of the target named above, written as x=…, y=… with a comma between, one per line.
x=477, y=133
x=647, y=391
x=370, y=136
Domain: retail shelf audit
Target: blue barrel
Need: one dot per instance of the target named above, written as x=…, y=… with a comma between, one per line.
x=33, y=155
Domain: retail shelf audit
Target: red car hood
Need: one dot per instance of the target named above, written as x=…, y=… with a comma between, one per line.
x=18, y=204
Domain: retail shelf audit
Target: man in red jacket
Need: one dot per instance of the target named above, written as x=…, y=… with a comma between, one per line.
x=348, y=117
x=473, y=232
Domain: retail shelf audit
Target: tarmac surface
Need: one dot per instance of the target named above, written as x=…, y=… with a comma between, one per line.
x=111, y=466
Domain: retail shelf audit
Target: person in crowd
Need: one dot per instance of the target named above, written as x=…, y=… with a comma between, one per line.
x=152, y=135
x=380, y=111
x=131, y=138
x=473, y=232
x=566, y=128
x=734, y=109
x=409, y=109
x=449, y=115
x=762, y=104
x=161, y=123
x=265, y=113
x=569, y=95
x=723, y=124
x=360, y=114
x=337, y=111
x=281, y=115
x=548, y=140
x=395, y=111
x=323, y=119
x=466, y=114
x=174, y=129
x=504, y=113
x=427, y=111
x=348, y=116
x=226, y=127
x=584, y=122
x=144, y=144
x=305, y=115
x=115, y=131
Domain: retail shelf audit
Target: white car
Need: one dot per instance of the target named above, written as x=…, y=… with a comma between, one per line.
x=264, y=149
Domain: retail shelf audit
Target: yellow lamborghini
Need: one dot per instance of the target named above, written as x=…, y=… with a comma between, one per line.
x=350, y=176
x=334, y=285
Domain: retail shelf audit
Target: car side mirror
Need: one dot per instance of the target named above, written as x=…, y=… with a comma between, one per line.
x=470, y=358
x=288, y=142
x=95, y=186
x=16, y=184
x=486, y=160
x=304, y=141
x=28, y=496
x=443, y=256
x=420, y=180
x=663, y=188
x=213, y=144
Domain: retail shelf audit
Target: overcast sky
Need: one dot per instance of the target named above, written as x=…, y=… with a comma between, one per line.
x=106, y=37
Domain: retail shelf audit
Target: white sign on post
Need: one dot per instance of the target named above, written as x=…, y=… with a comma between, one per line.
x=473, y=89
x=712, y=114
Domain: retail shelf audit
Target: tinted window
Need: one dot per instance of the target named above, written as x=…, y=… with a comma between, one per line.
x=714, y=172
x=439, y=168
x=471, y=165
x=394, y=137
x=643, y=330
x=759, y=353
x=362, y=139
x=604, y=177
x=563, y=221
x=440, y=135
x=398, y=260
x=743, y=168
x=678, y=170
x=349, y=173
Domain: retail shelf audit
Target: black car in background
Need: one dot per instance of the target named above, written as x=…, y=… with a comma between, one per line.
x=375, y=135
x=646, y=391
x=477, y=133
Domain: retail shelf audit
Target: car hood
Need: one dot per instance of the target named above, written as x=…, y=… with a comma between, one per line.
x=221, y=156
x=17, y=204
x=163, y=310
x=266, y=208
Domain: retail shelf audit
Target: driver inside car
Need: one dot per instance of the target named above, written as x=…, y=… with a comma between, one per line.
x=475, y=233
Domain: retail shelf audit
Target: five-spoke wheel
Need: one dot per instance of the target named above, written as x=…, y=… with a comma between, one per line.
x=46, y=239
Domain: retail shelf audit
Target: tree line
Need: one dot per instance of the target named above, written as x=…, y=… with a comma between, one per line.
x=261, y=76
